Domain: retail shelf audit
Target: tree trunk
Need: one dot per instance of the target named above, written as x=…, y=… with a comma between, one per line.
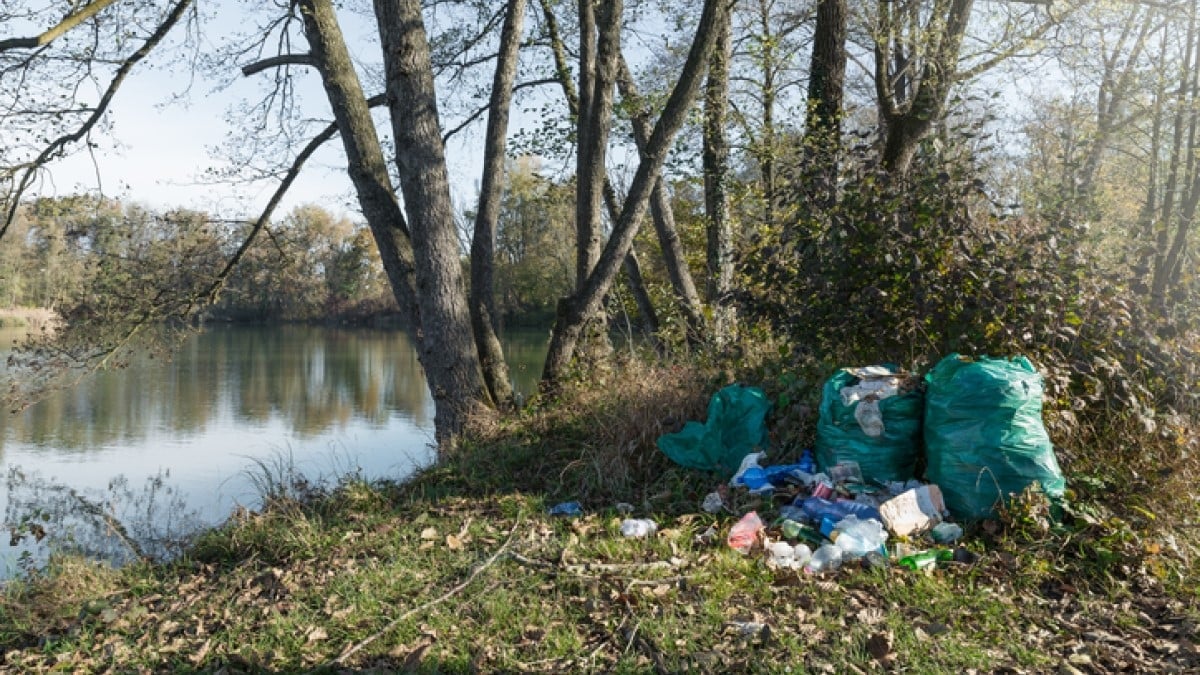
x=664, y=218
x=483, y=239
x=718, y=228
x=907, y=124
x=563, y=75
x=576, y=310
x=1162, y=273
x=826, y=89
x=448, y=349
x=365, y=162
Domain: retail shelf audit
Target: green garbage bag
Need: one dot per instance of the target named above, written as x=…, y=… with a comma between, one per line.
x=984, y=437
x=736, y=425
x=871, y=416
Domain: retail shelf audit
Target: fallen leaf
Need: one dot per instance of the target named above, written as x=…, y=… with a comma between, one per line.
x=880, y=647
x=315, y=634
x=429, y=533
x=453, y=543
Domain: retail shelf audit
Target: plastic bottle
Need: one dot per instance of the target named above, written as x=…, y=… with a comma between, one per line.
x=946, y=533
x=745, y=532
x=569, y=509
x=828, y=557
x=793, y=512
x=807, y=462
x=816, y=509
x=638, y=527
x=858, y=537
x=926, y=559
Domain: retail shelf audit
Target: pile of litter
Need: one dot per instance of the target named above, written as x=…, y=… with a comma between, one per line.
x=975, y=424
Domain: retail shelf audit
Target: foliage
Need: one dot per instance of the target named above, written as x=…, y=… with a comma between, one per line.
x=910, y=269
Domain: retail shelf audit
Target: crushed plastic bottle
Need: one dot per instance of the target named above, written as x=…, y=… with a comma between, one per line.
x=713, y=503
x=569, y=509
x=858, y=537
x=946, y=533
x=828, y=557
x=817, y=508
x=638, y=527
x=793, y=512
x=745, y=532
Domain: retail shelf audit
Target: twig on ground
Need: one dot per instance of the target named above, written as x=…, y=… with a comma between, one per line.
x=356, y=647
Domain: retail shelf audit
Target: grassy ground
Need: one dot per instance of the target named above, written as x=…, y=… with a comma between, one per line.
x=463, y=570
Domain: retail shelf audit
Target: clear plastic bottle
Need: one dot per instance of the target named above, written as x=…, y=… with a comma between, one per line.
x=638, y=527
x=858, y=537
x=828, y=557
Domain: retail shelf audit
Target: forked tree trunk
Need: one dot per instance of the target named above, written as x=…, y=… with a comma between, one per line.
x=366, y=164
x=584, y=304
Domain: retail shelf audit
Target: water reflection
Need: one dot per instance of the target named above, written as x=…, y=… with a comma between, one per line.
x=332, y=401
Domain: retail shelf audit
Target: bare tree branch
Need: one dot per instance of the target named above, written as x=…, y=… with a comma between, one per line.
x=70, y=21
x=276, y=61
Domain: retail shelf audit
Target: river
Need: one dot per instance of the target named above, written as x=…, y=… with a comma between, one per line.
x=153, y=451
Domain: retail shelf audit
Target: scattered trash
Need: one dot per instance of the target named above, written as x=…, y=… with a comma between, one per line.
x=946, y=533
x=736, y=425
x=744, y=533
x=708, y=537
x=828, y=557
x=569, y=509
x=638, y=527
x=784, y=555
x=871, y=416
x=924, y=560
x=817, y=509
x=845, y=472
x=858, y=537
x=624, y=508
x=713, y=503
x=913, y=511
x=984, y=436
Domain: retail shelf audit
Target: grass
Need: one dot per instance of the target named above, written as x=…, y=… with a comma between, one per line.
x=463, y=570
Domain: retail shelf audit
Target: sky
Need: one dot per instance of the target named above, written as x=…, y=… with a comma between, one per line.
x=167, y=130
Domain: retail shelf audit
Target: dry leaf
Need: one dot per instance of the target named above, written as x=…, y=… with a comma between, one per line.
x=315, y=634
x=880, y=647
x=429, y=533
x=453, y=543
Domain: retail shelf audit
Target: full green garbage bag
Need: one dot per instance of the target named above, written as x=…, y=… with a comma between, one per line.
x=984, y=437
x=871, y=416
x=736, y=425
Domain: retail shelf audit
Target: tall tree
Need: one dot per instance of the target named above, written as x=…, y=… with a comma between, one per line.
x=483, y=241
x=575, y=311
x=718, y=228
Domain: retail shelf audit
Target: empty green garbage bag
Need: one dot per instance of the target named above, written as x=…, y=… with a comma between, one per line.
x=984, y=436
x=736, y=425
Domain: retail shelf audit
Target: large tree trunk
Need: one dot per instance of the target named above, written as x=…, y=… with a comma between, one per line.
x=663, y=217
x=483, y=239
x=718, y=228
x=366, y=164
x=826, y=89
x=448, y=347
x=576, y=310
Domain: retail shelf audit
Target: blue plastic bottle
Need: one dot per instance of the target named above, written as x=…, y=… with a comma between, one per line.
x=816, y=509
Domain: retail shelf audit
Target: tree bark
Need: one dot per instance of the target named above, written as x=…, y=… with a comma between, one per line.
x=563, y=75
x=664, y=218
x=826, y=89
x=364, y=155
x=483, y=239
x=576, y=310
x=718, y=227
x=448, y=347
x=908, y=123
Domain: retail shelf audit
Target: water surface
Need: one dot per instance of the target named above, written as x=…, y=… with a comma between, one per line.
x=171, y=442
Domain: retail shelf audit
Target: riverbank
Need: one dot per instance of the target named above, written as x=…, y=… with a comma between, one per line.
x=35, y=319
x=463, y=569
